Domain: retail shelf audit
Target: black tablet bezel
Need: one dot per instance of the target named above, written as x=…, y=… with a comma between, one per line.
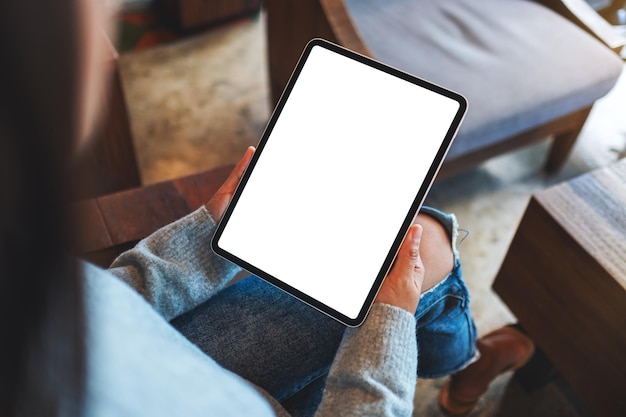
x=417, y=202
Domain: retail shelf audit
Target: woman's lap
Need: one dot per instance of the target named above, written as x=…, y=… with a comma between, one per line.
x=264, y=335
x=281, y=344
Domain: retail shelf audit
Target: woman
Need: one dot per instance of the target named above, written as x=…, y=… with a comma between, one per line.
x=78, y=340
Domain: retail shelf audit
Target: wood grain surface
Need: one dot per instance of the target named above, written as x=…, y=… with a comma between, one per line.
x=193, y=14
x=112, y=223
x=109, y=163
x=564, y=278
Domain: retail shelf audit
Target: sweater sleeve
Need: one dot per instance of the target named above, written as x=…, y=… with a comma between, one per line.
x=175, y=269
x=374, y=371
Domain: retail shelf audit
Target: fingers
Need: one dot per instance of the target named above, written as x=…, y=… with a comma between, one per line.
x=220, y=200
x=410, y=263
x=235, y=176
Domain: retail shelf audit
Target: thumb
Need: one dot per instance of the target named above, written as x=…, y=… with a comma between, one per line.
x=403, y=286
x=409, y=263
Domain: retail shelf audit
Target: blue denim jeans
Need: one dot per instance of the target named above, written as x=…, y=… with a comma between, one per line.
x=286, y=347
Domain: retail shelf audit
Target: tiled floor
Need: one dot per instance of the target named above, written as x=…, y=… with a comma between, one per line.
x=199, y=102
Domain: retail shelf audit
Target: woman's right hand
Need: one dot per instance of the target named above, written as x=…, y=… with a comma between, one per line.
x=403, y=285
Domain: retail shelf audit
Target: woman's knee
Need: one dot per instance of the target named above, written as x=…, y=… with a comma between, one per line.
x=435, y=250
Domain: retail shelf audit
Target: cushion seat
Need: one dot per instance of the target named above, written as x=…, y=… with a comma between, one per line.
x=519, y=65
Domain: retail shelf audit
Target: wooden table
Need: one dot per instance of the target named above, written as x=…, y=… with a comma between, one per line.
x=564, y=278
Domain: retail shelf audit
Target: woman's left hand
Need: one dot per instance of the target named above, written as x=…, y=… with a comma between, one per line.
x=403, y=285
x=216, y=206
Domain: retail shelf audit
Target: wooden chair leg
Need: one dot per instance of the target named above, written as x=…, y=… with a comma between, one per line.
x=563, y=143
x=291, y=24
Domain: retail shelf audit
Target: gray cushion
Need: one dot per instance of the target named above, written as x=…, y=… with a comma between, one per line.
x=518, y=63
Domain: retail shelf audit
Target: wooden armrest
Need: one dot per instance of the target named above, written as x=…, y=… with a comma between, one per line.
x=583, y=15
x=110, y=224
x=291, y=24
x=343, y=28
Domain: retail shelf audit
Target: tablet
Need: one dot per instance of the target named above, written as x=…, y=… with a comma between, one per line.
x=339, y=174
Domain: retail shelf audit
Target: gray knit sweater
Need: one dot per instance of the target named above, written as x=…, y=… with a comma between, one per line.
x=139, y=365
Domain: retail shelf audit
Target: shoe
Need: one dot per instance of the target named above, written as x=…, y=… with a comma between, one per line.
x=505, y=349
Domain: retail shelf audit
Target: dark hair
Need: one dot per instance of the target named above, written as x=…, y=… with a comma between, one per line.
x=41, y=314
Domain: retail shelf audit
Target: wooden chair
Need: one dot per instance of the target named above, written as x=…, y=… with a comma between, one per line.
x=194, y=14
x=113, y=223
x=527, y=72
x=109, y=163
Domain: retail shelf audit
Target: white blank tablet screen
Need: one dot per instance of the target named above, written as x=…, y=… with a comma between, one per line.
x=336, y=177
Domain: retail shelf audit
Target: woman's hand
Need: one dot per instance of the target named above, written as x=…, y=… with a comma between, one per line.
x=218, y=203
x=403, y=285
